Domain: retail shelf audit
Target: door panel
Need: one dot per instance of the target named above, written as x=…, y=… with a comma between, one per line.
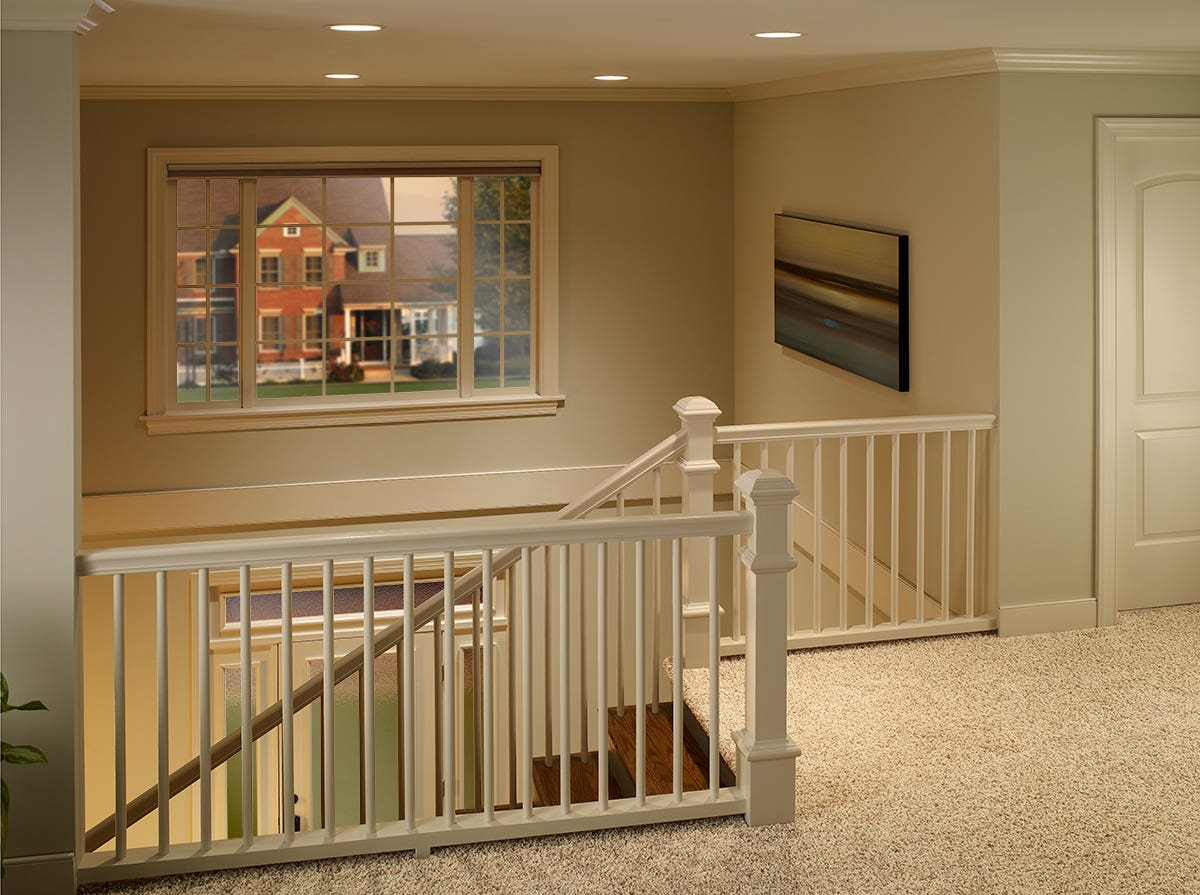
x=1157, y=266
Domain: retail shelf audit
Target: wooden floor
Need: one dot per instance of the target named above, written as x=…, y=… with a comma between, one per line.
x=622, y=760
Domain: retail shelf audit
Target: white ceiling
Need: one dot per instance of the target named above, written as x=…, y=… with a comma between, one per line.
x=562, y=43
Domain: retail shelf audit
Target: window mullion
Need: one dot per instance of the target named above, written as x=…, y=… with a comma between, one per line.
x=247, y=274
x=466, y=286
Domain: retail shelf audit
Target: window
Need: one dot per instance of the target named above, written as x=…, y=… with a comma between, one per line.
x=312, y=331
x=312, y=269
x=268, y=269
x=372, y=260
x=403, y=330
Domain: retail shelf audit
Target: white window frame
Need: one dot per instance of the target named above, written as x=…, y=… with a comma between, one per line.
x=164, y=416
x=380, y=266
x=291, y=230
x=308, y=345
x=310, y=253
x=277, y=316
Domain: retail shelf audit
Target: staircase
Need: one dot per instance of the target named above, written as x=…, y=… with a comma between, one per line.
x=597, y=597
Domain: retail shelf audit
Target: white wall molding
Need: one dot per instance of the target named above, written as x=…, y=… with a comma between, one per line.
x=177, y=513
x=1046, y=618
x=923, y=68
x=1135, y=62
x=974, y=62
x=36, y=874
x=44, y=15
x=383, y=93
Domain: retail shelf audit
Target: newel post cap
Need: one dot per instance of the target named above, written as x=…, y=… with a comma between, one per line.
x=766, y=487
x=696, y=408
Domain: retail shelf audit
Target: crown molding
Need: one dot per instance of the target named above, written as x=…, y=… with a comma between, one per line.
x=976, y=62
x=924, y=68
x=368, y=93
x=1143, y=62
x=43, y=15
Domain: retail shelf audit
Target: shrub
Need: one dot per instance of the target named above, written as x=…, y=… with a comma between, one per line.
x=338, y=371
x=432, y=369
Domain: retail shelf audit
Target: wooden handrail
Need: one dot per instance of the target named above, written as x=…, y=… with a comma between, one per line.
x=143, y=559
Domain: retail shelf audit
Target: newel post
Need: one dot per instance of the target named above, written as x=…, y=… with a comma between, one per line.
x=697, y=417
x=766, y=756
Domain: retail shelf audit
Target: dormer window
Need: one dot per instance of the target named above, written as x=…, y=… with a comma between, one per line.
x=291, y=231
x=372, y=260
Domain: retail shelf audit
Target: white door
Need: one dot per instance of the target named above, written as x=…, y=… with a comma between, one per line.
x=1150, y=171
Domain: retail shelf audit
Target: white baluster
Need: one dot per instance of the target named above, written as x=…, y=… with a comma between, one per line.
x=946, y=526
x=548, y=755
x=288, y=746
x=476, y=706
x=328, y=800
x=527, y=681
x=564, y=679
x=971, y=474
x=204, y=711
x=439, y=665
x=921, y=528
x=164, y=729
x=843, y=525
x=583, y=700
x=639, y=666
x=368, y=694
x=869, y=616
x=736, y=589
x=489, y=742
x=449, y=745
x=714, y=671
x=119, y=714
x=677, y=667
x=656, y=608
x=817, y=526
x=247, y=708
x=410, y=698
x=895, y=529
x=602, y=674
x=510, y=669
x=620, y=613
x=793, y=578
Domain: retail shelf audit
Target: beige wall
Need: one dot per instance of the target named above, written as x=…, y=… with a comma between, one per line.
x=1047, y=318
x=918, y=158
x=645, y=261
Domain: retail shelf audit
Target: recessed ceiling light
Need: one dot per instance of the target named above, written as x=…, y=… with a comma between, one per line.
x=778, y=34
x=355, y=27
x=344, y=76
x=610, y=77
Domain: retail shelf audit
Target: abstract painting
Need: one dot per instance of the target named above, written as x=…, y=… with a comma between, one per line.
x=841, y=296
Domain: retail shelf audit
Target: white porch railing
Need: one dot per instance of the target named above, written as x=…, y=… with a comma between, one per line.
x=503, y=594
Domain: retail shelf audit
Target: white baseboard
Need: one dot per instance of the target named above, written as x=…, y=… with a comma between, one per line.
x=1045, y=618
x=40, y=875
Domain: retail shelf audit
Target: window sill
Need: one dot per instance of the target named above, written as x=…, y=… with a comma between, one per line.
x=245, y=420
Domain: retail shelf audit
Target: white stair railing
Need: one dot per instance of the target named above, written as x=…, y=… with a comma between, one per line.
x=890, y=525
x=414, y=829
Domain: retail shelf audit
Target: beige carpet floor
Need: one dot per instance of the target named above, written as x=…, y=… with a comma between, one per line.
x=1061, y=763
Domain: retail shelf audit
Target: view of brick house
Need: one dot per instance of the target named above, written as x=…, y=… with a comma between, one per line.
x=345, y=292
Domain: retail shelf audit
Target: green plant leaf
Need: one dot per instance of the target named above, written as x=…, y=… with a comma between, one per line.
x=34, y=705
x=23, y=754
x=3, y=693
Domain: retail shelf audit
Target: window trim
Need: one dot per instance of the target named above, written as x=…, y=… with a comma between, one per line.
x=162, y=418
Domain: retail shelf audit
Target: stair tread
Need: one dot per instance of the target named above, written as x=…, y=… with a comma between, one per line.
x=622, y=732
x=584, y=780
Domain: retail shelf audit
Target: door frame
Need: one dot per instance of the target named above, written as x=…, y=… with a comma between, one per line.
x=1109, y=133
